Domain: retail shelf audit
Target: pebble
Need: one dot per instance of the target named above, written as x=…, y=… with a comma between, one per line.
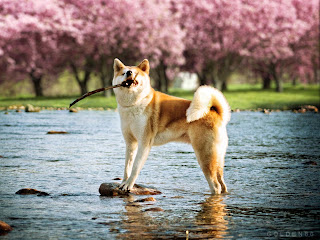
x=155, y=209
x=310, y=163
x=306, y=108
x=30, y=108
x=57, y=132
x=177, y=197
x=117, y=179
x=5, y=227
x=148, y=199
x=31, y=191
x=73, y=110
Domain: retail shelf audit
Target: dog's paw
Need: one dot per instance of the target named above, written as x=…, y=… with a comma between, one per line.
x=125, y=186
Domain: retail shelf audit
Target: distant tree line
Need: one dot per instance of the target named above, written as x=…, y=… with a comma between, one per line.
x=39, y=39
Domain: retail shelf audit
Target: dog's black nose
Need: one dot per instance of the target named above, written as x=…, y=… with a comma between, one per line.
x=129, y=73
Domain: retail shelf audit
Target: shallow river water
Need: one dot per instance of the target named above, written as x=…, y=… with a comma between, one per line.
x=272, y=193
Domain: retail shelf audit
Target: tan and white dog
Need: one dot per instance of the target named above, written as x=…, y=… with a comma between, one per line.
x=151, y=118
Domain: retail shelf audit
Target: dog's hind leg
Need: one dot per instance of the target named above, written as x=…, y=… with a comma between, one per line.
x=210, y=156
x=221, y=180
x=208, y=164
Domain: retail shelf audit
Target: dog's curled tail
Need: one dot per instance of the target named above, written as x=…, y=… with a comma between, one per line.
x=208, y=99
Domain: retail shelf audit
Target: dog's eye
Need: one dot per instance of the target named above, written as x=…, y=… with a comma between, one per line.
x=123, y=74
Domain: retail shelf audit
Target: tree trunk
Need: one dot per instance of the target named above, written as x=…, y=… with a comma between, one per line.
x=220, y=79
x=157, y=78
x=165, y=78
x=224, y=86
x=106, y=81
x=36, y=80
x=219, y=84
x=162, y=80
x=316, y=71
x=105, y=73
x=277, y=79
x=266, y=78
x=202, y=78
x=83, y=83
x=279, y=85
x=83, y=87
x=294, y=81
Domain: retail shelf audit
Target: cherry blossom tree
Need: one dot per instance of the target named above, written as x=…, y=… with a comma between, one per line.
x=252, y=34
x=29, y=34
x=129, y=30
x=272, y=29
x=304, y=64
x=213, y=38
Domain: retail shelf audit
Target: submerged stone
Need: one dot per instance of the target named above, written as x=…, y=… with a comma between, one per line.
x=112, y=189
x=266, y=111
x=148, y=199
x=310, y=163
x=306, y=108
x=30, y=108
x=117, y=178
x=73, y=110
x=155, y=209
x=31, y=191
x=57, y=132
x=4, y=227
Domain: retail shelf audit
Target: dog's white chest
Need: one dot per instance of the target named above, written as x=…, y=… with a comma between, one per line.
x=133, y=120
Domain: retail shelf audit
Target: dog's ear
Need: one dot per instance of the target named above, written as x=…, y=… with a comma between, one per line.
x=117, y=65
x=144, y=66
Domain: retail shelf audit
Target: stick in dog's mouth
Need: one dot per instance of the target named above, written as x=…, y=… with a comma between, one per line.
x=126, y=83
x=130, y=81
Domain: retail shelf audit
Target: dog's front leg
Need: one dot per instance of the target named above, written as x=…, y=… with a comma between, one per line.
x=141, y=157
x=131, y=152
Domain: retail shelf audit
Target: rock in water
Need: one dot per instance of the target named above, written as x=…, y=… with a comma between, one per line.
x=30, y=108
x=148, y=199
x=57, y=132
x=73, y=110
x=31, y=191
x=155, y=209
x=112, y=189
x=310, y=163
x=4, y=227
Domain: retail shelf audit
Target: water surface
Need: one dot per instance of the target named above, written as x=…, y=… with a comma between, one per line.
x=272, y=193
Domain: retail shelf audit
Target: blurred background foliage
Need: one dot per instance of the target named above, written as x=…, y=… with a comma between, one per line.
x=67, y=47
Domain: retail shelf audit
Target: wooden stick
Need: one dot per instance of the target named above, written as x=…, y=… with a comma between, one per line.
x=127, y=83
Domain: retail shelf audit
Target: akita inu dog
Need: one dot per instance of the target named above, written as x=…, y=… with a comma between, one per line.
x=151, y=118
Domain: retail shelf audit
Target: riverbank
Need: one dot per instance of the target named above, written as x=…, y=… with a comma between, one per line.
x=240, y=97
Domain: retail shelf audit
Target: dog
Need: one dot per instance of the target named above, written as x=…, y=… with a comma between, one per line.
x=150, y=118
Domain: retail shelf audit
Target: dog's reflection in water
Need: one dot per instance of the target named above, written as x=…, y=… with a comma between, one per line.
x=139, y=223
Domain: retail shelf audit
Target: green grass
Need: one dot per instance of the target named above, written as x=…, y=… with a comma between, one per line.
x=60, y=102
x=290, y=98
x=249, y=97
x=244, y=97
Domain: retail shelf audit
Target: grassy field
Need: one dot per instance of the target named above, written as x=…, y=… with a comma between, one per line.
x=243, y=97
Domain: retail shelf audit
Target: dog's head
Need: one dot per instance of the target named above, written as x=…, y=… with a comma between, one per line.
x=140, y=87
x=122, y=73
